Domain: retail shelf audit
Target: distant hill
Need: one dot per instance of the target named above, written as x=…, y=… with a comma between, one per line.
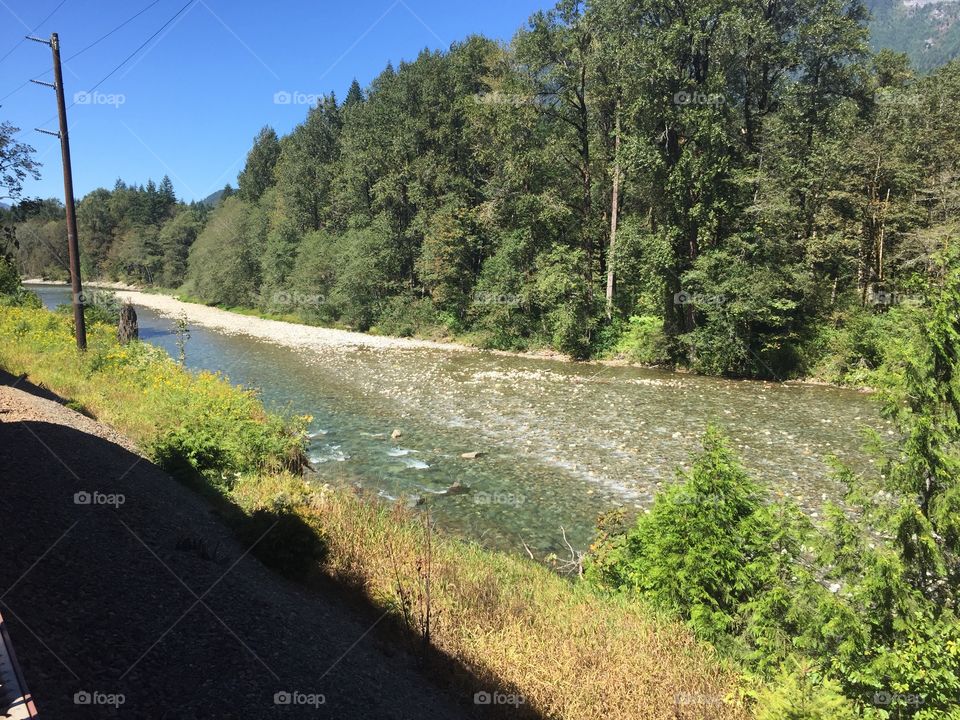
x=927, y=31
x=213, y=199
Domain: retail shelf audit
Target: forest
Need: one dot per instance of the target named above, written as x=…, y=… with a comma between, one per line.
x=736, y=188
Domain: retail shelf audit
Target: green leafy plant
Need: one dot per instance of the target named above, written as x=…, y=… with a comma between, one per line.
x=708, y=548
x=857, y=619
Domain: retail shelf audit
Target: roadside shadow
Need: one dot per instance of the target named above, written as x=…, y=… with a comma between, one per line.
x=105, y=557
x=20, y=382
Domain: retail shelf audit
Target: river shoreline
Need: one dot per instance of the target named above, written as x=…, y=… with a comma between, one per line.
x=294, y=335
x=553, y=453
x=341, y=544
x=300, y=335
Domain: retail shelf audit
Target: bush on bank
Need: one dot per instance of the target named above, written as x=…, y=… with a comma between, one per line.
x=856, y=618
x=191, y=420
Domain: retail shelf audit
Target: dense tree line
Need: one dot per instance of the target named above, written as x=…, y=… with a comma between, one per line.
x=741, y=188
x=135, y=233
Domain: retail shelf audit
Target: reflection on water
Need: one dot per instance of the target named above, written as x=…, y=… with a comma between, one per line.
x=559, y=442
x=154, y=333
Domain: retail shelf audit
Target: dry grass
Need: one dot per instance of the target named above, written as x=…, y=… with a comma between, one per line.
x=570, y=651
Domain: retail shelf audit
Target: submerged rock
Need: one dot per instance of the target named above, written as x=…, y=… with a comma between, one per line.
x=458, y=488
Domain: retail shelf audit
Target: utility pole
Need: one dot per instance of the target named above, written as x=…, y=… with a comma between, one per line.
x=73, y=247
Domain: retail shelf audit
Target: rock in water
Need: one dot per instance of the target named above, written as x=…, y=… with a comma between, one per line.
x=127, y=330
x=471, y=455
x=396, y=434
x=457, y=488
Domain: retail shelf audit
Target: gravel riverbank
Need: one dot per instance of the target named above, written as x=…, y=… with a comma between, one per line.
x=275, y=331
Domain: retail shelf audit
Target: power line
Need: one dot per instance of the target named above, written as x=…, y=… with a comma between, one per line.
x=37, y=27
x=142, y=46
x=104, y=37
x=18, y=89
x=128, y=57
x=80, y=52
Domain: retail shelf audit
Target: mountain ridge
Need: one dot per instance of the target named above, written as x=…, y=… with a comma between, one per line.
x=928, y=31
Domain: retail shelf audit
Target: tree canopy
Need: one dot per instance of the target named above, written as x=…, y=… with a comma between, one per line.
x=746, y=183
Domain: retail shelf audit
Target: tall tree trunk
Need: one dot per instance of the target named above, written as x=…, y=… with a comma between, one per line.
x=583, y=127
x=614, y=211
x=883, y=232
x=587, y=191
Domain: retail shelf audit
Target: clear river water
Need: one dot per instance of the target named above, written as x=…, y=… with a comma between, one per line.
x=561, y=442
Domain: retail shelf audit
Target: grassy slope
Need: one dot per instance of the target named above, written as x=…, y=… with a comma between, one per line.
x=568, y=650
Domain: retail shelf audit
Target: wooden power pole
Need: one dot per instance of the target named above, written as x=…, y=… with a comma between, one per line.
x=73, y=247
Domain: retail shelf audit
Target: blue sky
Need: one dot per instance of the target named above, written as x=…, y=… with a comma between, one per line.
x=189, y=104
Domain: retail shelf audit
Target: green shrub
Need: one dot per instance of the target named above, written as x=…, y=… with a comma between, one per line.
x=12, y=293
x=191, y=423
x=748, y=303
x=568, y=302
x=570, y=331
x=100, y=306
x=22, y=298
x=9, y=277
x=223, y=441
x=845, y=613
x=867, y=609
x=803, y=694
x=184, y=452
x=853, y=345
x=501, y=308
x=708, y=548
x=643, y=341
x=407, y=316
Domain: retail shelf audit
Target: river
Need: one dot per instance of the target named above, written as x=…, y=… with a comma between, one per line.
x=561, y=442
